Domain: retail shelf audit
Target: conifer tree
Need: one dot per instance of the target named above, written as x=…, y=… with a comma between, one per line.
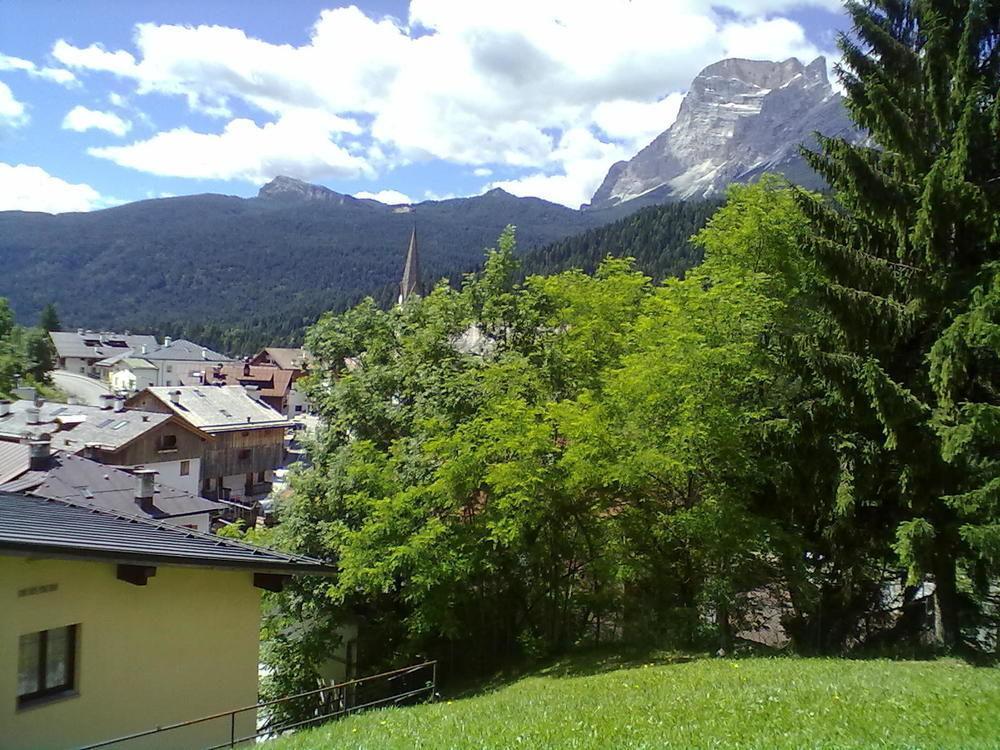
x=909, y=251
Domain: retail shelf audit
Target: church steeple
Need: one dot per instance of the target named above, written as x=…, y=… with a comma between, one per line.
x=411, y=271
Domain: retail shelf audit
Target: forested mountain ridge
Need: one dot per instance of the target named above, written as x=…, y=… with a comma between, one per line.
x=236, y=272
x=659, y=238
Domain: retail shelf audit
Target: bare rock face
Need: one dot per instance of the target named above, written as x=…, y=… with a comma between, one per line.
x=739, y=119
x=288, y=188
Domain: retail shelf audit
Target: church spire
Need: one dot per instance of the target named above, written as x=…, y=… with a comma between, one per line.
x=411, y=271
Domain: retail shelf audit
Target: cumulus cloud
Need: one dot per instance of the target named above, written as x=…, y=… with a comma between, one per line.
x=390, y=197
x=82, y=119
x=29, y=188
x=297, y=144
x=12, y=112
x=477, y=84
x=94, y=57
x=579, y=163
x=57, y=75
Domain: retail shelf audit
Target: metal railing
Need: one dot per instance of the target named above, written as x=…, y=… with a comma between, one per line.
x=341, y=699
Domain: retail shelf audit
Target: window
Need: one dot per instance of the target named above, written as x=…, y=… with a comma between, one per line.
x=46, y=664
x=168, y=443
x=298, y=408
x=244, y=454
x=169, y=383
x=260, y=478
x=185, y=468
x=170, y=368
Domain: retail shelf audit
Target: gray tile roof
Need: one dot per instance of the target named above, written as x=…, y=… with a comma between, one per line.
x=184, y=350
x=38, y=527
x=14, y=460
x=76, y=479
x=99, y=345
x=104, y=428
x=215, y=408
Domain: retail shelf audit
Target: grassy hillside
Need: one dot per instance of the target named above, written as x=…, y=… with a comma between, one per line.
x=701, y=703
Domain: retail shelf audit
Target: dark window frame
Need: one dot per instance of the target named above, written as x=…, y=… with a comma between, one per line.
x=68, y=686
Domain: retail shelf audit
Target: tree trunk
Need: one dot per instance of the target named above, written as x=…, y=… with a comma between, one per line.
x=946, y=631
x=725, y=627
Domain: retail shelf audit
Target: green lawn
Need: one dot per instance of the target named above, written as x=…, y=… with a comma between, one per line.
x=701, y=703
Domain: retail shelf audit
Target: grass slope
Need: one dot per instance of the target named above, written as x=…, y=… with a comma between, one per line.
x=771, y=703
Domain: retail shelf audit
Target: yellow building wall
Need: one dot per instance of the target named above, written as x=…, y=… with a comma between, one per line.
x=181, y=647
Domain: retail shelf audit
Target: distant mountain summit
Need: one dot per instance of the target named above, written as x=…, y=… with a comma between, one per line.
x=739, y=119
x=291, y=189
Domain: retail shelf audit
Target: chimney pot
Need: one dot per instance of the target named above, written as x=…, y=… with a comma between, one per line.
x=167, y=341
x=39, y=452
x=31, y=414
x=145, y=487
x=107, y=401
x=175, y=397
x=119, y=403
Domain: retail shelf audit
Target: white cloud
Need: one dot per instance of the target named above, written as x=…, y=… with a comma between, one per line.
x=581, y=161
x=28, y=188
x=298, y=144
x=636, y=123
x=477, y=84
x=12, y=112
x=390, y=197
x=482, y=171
x=117, y=100
x=82, y=119
x=57, y=75
x=94, y=57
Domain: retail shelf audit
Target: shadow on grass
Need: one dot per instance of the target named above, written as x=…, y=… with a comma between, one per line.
x=577, y=663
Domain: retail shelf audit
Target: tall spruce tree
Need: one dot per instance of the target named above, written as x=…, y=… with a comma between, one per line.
x=909, y=250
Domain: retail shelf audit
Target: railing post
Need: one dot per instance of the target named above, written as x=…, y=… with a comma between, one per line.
x=434, y=681
x=232, y=729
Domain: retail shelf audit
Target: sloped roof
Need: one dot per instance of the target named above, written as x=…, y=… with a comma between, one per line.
x=411, y=271
x=99, y=344
x=74, y=479
x=37, y=526
x=214, y=408
x=104, y=428
x=14, y=460
x=285, y=358
x=271, y=381
x=184, y=350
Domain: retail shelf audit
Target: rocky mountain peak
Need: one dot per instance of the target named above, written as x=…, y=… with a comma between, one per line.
x=286, y=188
x=740, y=118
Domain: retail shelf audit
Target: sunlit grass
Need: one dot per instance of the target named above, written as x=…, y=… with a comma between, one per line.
x=701, y=703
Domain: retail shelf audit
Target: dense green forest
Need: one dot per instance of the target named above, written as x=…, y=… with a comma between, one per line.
x=26, y=353
x=805, y=428
x=659, y=238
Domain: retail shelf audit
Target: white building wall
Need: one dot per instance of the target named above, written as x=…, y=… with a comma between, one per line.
x=80, y=366
x=297, y=403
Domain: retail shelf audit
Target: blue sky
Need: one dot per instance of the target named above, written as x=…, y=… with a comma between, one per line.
x=107, y=102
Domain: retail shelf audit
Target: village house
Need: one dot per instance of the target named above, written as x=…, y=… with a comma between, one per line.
x=79, y=351
x=183, y=362
x=296, y=360
x=113, y=435
x=273, y=385
x=127, y=373
x=37, y=470
x=247, y=436
x=113, y=624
